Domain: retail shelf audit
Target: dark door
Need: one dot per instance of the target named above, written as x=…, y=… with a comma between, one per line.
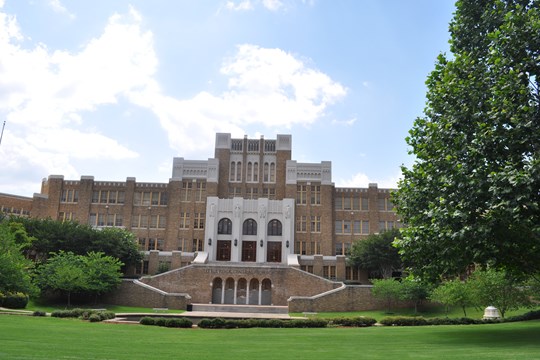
x=249, y=251
x=273, y=251
x=223, y=250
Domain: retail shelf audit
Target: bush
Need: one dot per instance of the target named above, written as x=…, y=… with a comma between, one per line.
x=15, y=300
x=147, y=320
x=95, y=318
x=2, y=297
x=359, y=321
x=39, y=313
x=178, y=323
x=531, y=315
x=403, y=321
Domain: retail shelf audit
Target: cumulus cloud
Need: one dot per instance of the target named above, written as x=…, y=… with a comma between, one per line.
x=241, y=6
x=268, y=87
x=273, y=5
x=362, y=180
x=46, y=93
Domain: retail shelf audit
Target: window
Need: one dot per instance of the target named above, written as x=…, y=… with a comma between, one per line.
x=269, y=193
x=274, y=228
x=184, y=220
x=338, y=202
x=239, y=171
x=225, y=226
x=70, y=196
x=315, y=195
x=386, y=225
x=252, y=193
x=65, y=216
x=249, y=171
x=365, y=204
x=365, y=227
x=186, y=190
x=201, y=190
x=249, y=227
x=265, y=172
x=357, y=227
x=316, y=224
x=198, y=221
x=255, y=171
x=343, y=227
x=197, y=245
x=232, y=171
x=272, y=172
x=301, y=195
x=301, y=224
x=385, y=204
x=146, y=198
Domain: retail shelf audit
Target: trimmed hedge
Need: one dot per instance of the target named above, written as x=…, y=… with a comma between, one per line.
x=360, y=321
x=218, y=323
x=403, y=321
x=166, y=322
x=84, y=314
x=39, y=313
x=14, y=300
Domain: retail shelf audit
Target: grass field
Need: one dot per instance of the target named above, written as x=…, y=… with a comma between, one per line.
x=25, y=337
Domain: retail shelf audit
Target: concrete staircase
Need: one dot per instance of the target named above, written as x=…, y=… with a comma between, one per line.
x=249, y=309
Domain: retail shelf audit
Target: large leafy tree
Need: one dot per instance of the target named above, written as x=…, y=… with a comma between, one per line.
x=15, y=269
x=377, y=254
x=472, y=195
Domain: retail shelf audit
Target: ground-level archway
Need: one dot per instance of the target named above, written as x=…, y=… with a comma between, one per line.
x=241, y=291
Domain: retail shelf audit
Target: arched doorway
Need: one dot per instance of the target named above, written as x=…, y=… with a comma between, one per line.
x=266, y=296
x=229, y=291
x=254, y=292
x=241, y=291
x=217, y=290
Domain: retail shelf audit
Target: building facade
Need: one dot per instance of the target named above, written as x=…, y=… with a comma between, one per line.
x=250, y=204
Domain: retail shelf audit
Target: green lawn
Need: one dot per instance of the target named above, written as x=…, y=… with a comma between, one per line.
x=25, y=337
x=36, y=306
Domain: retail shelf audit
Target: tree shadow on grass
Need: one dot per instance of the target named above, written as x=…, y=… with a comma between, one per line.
x=493, y=336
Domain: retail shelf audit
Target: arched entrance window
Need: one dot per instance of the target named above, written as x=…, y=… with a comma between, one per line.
x=266, y=296
x=229, y=291
x=274, y=228
x=224, y=226
x=254, y=292
x=217, y=287
x=241, y=291
x=249, y=227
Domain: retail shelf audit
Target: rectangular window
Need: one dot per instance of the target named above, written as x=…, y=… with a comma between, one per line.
x=145, y=198
x=155, y=198
x=357, y=227
x=92, y=220
x=301, y=224
x=365, y=227
x=95, y=197
x=186, y=190
x=315, y=224
x=197, y=245
x=338, y=202
x=121, y=197
x=119, y=220
x=356, y=203
x=365, y=204
x=315, y=195
x=103, y=196
x=201, y=191
x=112, y=197
x=339, y=248
x=164, y=198
x=137, y=198
x=184, y=220
x=301, y=195
x=198, y=221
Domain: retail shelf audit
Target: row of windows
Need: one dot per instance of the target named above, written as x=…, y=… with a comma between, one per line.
x=314, y=224
x=249, y=227
x=252, y=193
x=151, y=244
x=347, y=202
x=193, y=191
x=190, y=245
x=253, y=145
x=351, y=226
x=105, y=219
x=252, y=172
x=108, y=197
x=351, y=273
x=15, y=211
x=185, y=220
x=314, y=194
x=70, y=196
x=148, y=221
x=307, y=247
x=148, y=198
x=343, y=248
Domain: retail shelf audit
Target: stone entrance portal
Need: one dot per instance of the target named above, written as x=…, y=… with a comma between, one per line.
x=237, y=292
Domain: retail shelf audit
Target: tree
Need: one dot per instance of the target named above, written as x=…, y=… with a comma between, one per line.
x=63, y=272
x=15, y=269
x=102, y=272
x=471, y=197
x=453, y=293
x=387, y=290
x=52, y=236
x=377, y=254
x=498, y=288
x=413, y=290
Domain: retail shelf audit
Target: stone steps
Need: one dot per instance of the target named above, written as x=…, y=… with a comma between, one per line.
x=254, y=309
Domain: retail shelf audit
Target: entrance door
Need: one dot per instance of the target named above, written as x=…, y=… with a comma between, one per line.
x=223, y=250
x=273, y=252
x=249, y=251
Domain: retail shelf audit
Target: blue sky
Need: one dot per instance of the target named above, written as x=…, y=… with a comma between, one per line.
x=116, y=89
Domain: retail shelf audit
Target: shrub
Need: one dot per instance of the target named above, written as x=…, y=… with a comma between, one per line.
x=15, y=300
x=2, y=297
x=359, y=321
x=403, y=321
x=531, y=315
x=147, y=320
x=160, y=321
x=178, y=323
x=94, y=318
x=39, y=313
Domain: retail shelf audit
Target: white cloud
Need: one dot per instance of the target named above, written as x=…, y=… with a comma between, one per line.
x=268, y=87
x=57, y=6
x=349, y=122
x=45, y=95
x=362, y=180
x=273, y=5
x=241, y=6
